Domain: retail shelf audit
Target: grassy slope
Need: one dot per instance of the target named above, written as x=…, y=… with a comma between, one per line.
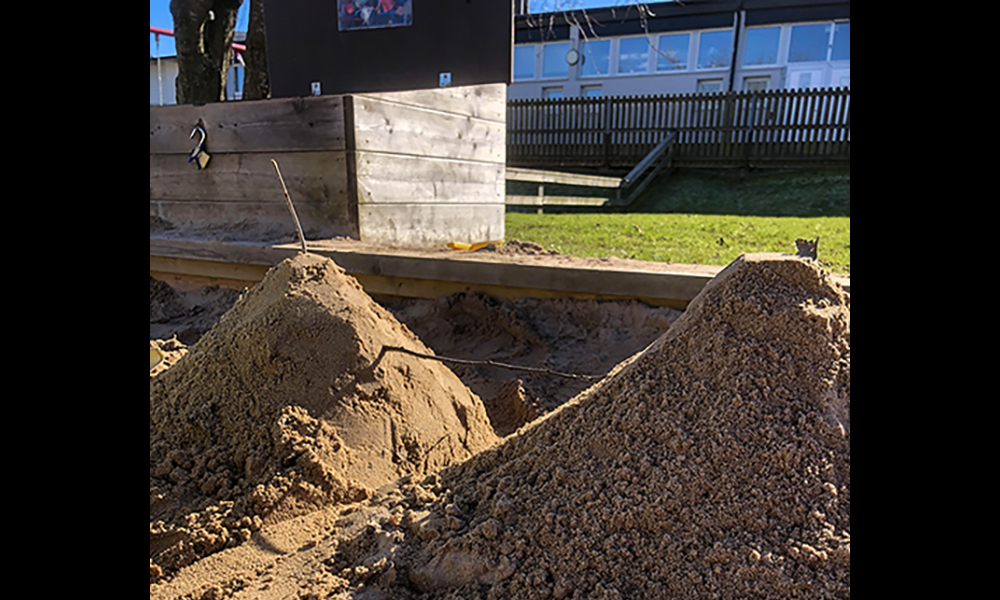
x=697, y=218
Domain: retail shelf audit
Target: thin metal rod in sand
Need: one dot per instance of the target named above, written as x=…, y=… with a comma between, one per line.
x=291, y=209
x=489, y=363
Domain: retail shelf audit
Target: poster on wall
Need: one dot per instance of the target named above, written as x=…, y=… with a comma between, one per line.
x=374, y=14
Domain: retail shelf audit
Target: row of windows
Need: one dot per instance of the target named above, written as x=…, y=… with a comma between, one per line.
x=807, y=43
x=703, y=86
x=763, y=46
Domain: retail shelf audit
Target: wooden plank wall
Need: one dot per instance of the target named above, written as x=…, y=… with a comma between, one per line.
x=721, y=129
x=430, y=165
x=238, y=193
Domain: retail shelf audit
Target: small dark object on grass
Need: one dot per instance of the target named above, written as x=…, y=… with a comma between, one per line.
x=807, y=248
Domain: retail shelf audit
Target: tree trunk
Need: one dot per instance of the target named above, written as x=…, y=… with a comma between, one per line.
x=203, y=35
x=256, y=85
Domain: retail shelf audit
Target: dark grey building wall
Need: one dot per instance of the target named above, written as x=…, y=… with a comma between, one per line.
x=469, y=39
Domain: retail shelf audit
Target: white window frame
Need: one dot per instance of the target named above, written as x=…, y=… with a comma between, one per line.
x=585, y=88
x=829, y=42
x=721, y=81
x=649, y=45
x=553, y=88
x=765, y=78
x=612, y=67
x=783, y=32
x=534, y=74
x=540, y=65
x=833, y=34
x=656, y=52
x=697, y=52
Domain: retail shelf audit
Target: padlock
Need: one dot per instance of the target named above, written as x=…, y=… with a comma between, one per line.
x=198, y=156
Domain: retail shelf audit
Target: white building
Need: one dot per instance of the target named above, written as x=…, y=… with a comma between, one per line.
x=163, y=77
x=694, y=46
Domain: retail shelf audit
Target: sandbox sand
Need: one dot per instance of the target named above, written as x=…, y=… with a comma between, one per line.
x=188, y=315
x=588, y=337
x=716, y=463
x=286, y=406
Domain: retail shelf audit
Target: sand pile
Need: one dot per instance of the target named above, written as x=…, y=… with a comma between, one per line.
x=715, y=464
x=579, y=336
x=282, y=408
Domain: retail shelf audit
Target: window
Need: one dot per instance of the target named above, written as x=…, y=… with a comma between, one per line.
x=716, y=49
x=709, y=85
x=841, y=42
x=673, y=55
x=756, y=84
x=554, y=60
x=633, y=56
x=596, y=57
x=552, y=92
x=524, y=62
x=809, y=42
x=590, y=91
x=762, y=46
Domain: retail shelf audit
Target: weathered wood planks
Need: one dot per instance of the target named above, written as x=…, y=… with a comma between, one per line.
x=429, y=165
x=292, y=125
x=405, y=168
x=307, y=137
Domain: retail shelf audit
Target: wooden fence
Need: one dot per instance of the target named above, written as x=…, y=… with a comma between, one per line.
x=771, y=128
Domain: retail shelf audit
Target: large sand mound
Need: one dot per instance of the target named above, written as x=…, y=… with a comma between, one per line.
x=714, y=465
x=282, y=408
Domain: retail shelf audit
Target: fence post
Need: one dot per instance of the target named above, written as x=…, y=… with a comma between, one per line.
x=748, y=137
x=607, y=133
x=728, y=118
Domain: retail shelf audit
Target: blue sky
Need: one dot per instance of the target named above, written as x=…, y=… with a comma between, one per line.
x=550, y=5
x=159, y=16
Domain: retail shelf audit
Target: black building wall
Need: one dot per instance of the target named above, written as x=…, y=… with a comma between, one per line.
x=471, y=39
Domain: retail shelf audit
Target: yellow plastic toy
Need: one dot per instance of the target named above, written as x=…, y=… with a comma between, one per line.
x=155, y=358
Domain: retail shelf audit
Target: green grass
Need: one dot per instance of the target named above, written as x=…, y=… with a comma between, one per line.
x=800, y=194
x=699, y=219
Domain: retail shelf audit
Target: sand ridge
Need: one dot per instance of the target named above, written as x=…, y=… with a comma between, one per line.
x=284, y=407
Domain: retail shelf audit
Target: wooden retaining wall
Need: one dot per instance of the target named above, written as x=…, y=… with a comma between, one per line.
x=415, y=169
x=238, y=189
x=430, y=165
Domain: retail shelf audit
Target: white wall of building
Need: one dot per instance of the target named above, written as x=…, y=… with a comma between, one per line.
x=168, y=75
x=168, y=71
x=787, y=55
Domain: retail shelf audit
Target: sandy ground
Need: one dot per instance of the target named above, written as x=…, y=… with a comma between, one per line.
x=587, y=337
x=584, y=337
x=714, y=463
x=188, y=315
